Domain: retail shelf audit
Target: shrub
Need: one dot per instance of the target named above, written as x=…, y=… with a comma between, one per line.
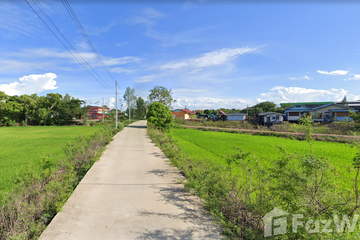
x=159, y=116
x=179, y=121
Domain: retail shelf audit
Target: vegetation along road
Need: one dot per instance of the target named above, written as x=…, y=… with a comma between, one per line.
x=132, y=193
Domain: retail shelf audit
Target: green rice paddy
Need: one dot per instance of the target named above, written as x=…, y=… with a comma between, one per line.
x=22, y=146
x=216, y=145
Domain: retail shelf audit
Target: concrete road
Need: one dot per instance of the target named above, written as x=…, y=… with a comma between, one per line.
x=132, y=192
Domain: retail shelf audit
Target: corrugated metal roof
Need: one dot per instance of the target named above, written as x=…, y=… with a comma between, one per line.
x=329, y=105
x=184, y=110
x=308, y=103
x=270, y=113
x=236, y=114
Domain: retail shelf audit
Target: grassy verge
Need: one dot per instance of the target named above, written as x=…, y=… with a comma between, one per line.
x=240, y=188
x=337, y=128
x=39, y=194
x=21, y=146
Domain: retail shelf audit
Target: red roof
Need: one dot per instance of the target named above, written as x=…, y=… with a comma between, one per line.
x=187, y=111
x=222, y=112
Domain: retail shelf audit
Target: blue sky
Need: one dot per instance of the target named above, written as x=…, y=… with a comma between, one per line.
x=212, y=54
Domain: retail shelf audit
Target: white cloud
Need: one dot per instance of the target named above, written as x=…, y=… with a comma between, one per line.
x=147, y=17
x=97, y=31
x=120, y=61
x=122, y=70
x=214, y=58
x=16, y=21
x=297, y=94
x=334, y=73
x=35, y=59
x=356, y=77
x=300, y=78
x=149, y=78
x=111, y=102
x=35, y=83
x=121, y=44
x=209, y=103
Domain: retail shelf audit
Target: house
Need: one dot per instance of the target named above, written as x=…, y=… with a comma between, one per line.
x=306, y=104
x=182, y=113
x=95, y=112
x=332, y=112
x=268, y=118
x=327, y=112
x=236, y=116
x=294, y=113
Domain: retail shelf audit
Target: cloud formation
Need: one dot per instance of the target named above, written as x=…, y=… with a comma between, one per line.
x=209, y=103
x=356, y=77
x=300, y=78
x=297, y=94
x=214, y=58
x=334, y=73
x=148, y=17
x=112, y=102
x=34, y=83
x=97, y=31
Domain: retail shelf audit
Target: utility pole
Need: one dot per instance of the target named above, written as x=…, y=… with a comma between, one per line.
x=103, y=110
x=129, y=105
x=116, y=116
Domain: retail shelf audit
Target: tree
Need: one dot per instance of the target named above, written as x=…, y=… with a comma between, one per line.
x=129, y=97
x=344, y=101
x=161, y=95
x=140, y=108
x=159, y=116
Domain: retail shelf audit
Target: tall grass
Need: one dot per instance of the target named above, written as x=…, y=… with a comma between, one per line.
x=39, y=195
x=240, y=188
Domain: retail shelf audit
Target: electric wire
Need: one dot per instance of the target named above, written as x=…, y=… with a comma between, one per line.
x=74, y=49
x=85, y=35
x=65, y=46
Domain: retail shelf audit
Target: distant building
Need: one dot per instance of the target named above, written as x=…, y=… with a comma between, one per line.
x=323, y=113
x=95, y=112
x=269, y=118
x=182, y=113
x=236, y=116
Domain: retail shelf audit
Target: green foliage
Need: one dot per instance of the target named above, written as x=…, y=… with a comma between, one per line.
x=130, y=98
x=307, y=122
x=41, y=192
x=140, y=108
x=162, y=95
x=21, y=146
x=44, y=110
x=242, y=187
x=159, y=116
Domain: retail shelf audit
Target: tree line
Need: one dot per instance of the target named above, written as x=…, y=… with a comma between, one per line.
x=52, y=109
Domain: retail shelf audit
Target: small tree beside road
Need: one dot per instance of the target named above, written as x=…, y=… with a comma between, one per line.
x=159, y=116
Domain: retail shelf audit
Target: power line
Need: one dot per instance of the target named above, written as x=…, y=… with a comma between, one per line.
x=82, y=64
x=48, y=17
x=85, y=35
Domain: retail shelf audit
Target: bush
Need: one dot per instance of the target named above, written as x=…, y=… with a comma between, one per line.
x=159, y=116
x=179, y=121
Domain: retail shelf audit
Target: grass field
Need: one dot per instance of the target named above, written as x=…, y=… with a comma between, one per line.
x=216, y=145
x=21, y=146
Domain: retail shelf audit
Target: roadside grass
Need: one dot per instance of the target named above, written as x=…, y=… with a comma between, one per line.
x=241, y=189
x=41, y=190
x=217, y=145
x=25, y=146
